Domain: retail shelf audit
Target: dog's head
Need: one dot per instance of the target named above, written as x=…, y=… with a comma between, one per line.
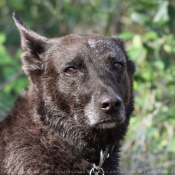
x=81, y=81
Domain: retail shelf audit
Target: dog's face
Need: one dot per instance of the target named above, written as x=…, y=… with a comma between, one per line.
x=80, y=81
x=86, y=80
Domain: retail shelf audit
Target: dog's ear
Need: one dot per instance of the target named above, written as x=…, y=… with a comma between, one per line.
x=33, y=47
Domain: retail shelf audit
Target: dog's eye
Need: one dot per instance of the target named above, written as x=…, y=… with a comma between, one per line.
x=70, y=71
x=118, y=66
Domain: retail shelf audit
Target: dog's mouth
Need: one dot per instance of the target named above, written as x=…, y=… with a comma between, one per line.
x=107, y=124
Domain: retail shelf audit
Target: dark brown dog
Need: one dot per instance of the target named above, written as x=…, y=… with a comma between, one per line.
x=76, y=110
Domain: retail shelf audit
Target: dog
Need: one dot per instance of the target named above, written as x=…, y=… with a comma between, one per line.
x=77, y=108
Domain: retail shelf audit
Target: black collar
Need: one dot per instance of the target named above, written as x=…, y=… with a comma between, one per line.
x=93, y=155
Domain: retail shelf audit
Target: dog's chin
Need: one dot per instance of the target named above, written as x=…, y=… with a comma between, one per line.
x=105, y=125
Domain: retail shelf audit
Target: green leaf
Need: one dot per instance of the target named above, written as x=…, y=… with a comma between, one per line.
x=126, y=35
x=168, y=48
x=151, y=35
x=139, y=17
x=2, y=38
x=159, y=64
x=162, y=13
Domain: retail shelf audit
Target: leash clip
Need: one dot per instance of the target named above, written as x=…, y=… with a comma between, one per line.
x=97, y=170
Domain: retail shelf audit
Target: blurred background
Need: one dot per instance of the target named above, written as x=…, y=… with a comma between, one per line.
x=148, y=29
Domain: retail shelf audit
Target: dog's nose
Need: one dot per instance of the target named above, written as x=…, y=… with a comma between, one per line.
x=110, y=102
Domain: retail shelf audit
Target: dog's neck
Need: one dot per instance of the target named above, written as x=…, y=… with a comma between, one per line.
x=95, y=155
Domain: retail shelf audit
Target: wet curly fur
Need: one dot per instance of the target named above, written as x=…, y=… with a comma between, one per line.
x=80, y=99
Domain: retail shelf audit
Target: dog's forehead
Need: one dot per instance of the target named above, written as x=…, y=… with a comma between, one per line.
x=88, y=45
x=100, y=43
x=93, y=40
x=103, y=45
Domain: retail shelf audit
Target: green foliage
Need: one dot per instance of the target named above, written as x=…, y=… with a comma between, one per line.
x=152, y=49
x=147, y=27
